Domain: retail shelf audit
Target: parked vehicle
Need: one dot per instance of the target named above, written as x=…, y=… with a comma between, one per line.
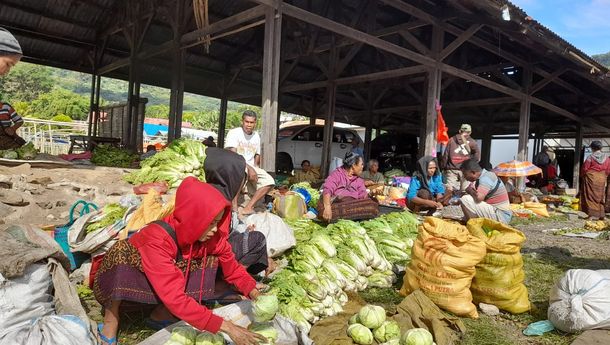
x=395, y=151
x=297, y=143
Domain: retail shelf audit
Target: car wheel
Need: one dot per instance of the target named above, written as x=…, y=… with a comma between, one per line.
x=283, y=163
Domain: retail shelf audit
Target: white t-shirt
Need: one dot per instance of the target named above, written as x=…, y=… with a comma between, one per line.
x=247, y=146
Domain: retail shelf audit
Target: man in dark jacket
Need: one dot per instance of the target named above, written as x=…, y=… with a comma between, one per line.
x=460, y=148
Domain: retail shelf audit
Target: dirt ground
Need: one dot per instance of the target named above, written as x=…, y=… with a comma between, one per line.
x=44, y=196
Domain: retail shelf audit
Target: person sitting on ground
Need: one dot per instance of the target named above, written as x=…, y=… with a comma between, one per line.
x=306, y=174
x=460, y=148
x=10, y=121
x=372, y=176
x=426, y=191
x=344, y=195
x=246, y=142
x=514, y=196
x=148, y=267
x=594, y=174
x=486, y=196
x=209, y=142
x=226, y=171
x=151, y=150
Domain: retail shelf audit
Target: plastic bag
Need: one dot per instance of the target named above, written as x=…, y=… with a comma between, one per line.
x=443, y=262
x=537, y=208
x=289, y=206
x=581, y=300
x=51, y=330
x=499, y=277
x=160, y=187
x=279, y=235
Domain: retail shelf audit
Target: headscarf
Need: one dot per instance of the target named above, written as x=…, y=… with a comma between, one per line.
x=9, y=44
x=225, y=170
x=421, y=171
x=597, y=154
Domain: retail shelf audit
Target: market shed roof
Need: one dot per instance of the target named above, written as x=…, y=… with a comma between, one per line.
x=567, y=86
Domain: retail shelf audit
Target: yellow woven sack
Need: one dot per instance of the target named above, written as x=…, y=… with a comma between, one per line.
x=537, y=208
x=499, y=277
x=151, y=209
x=442, y=265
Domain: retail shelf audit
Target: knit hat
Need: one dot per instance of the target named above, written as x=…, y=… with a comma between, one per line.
x=466, y=128
x=9, y=44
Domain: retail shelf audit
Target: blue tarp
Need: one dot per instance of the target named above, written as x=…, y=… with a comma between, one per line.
x=152, y=129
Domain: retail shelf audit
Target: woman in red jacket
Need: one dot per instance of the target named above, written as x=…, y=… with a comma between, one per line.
x=150, y=267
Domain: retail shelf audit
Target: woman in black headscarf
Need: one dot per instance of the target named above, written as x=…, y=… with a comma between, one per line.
x=10, y=121
x=226, y=171
x=426, y=191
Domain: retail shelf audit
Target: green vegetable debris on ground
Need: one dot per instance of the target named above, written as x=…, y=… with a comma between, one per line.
x=110, y=156
x=182, y=158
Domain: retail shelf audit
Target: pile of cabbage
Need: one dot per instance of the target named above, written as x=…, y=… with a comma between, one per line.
x=27, y=151
x=182, y=158
x=187, y=335
x=370, y=323
x=329, y=261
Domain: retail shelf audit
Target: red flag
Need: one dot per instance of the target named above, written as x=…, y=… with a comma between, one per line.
x=442, y=137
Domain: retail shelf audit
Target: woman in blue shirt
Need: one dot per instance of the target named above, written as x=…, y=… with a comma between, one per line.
x=426, y=191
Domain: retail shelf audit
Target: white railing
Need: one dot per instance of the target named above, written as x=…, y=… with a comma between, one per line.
x=52, y=137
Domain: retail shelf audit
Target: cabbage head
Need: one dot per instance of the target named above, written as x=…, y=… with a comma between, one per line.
x=417, y=336
x=207, y=338
x=183, y=335
x=266, y=330
x=360, y=334
x=371, y=316
x=354, y=319
x=392, y=342
x=389, y=330
x=9, y=154
x=265, y=307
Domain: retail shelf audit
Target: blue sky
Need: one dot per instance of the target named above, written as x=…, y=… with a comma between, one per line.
x=584, y=23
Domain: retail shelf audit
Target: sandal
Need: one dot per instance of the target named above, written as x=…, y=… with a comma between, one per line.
x=158, y=325
x=103, y=338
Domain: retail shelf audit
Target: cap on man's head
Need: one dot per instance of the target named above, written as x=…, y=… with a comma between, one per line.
x=465, y=128
x=9, y=44
x=211, y=138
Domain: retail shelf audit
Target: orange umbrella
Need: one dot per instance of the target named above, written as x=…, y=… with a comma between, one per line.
x=517, y=169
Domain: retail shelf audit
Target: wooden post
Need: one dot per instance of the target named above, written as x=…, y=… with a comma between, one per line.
x=136, y=146
x=177, y=84
x=486, y=147
x=96, y=115
x=222, y=121
x=314, y=108
x=427, y=144
x=91, y=117
x=524, y=116
x=577, y=156
x=368, y=133
x=271, y=75
x=329, y=123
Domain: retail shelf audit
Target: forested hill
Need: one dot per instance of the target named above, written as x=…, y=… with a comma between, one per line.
x=604, y=59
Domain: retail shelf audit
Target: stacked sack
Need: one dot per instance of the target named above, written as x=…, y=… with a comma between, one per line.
x=499, y=276
x=443, y=262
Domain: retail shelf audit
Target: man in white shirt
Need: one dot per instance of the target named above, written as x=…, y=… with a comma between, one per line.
x=246, y=142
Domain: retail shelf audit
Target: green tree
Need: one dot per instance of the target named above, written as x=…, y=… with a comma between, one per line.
x=604, y=59
x=159, y=111
x=61, y=118
x=26, y=82
x=60, y=101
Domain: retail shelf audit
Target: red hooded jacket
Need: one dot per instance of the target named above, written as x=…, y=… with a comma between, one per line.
x=197, y=204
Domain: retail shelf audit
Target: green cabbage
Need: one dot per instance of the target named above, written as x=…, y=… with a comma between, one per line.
x=389, y=330
x=207, y=338
x=391, y=342
x=371, y=316
x=360, y=334
x=354, y=319
x=266, y=330
x=183, y=335
x=9, y=154
x=324, y=244
x=417, y=336
x=265, y=307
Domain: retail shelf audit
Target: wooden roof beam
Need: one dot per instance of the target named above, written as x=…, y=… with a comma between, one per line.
x=47, y=15
x=303, y=15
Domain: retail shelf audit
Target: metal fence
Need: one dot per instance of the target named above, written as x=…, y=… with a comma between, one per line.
x=51, y=137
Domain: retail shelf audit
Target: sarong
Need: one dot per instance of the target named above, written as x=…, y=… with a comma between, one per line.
x=121, y=277
x=351, y=209
x=593, y=194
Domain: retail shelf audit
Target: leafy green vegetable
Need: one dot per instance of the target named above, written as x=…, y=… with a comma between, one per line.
x=266, y=330
x=371, y=316
x=182, y=158
x=9, y=154
x=111, y=214
x=417, y=336
x=360, y=334
x=389, y=330
x=27, y=151
x=110, y=156
x=265, y=307
x=182, y=335
x=207, y=338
